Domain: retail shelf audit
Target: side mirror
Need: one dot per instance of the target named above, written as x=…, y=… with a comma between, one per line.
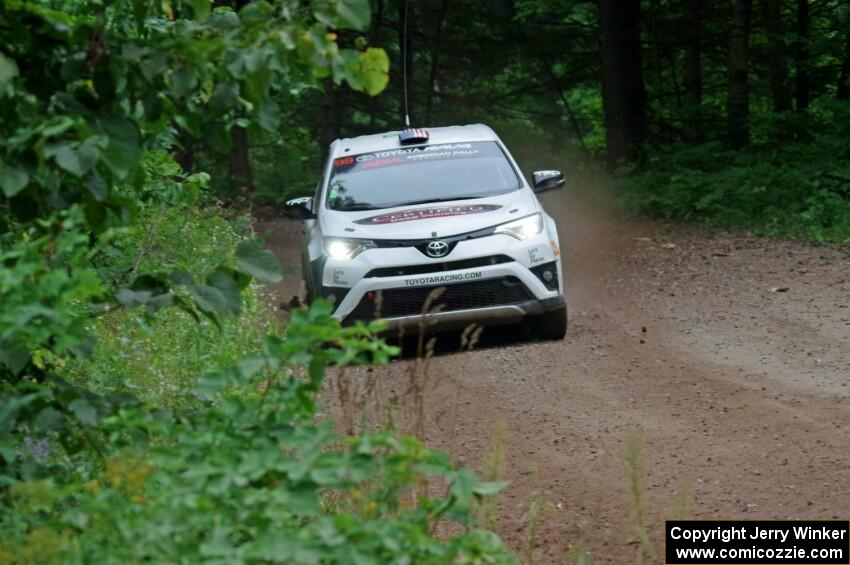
x=300, y=208
x=547, y=180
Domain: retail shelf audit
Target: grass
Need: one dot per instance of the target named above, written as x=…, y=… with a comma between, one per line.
x=636, y=465
x=160, y=358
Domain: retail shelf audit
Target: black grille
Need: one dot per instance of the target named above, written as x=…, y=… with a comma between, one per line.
x=452, y=239
x=551, y=267
x=422, y=244
x=437, y=267
x=395, y=302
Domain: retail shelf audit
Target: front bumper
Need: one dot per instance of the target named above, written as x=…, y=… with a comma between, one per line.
x=488, y=280
x=491, y=315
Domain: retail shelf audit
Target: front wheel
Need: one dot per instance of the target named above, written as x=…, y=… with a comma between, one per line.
x=552, y=325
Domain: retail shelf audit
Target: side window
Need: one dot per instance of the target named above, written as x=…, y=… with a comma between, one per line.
x=318, y=195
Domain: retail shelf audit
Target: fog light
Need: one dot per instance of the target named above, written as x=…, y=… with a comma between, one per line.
x=548, y=274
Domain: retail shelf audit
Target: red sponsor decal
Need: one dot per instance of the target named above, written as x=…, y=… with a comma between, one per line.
x=381, y=163
x=426, y=213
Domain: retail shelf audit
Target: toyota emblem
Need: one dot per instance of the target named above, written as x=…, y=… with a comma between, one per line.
x=437, y=249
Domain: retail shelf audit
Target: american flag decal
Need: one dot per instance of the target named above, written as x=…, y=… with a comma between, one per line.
x=413, y=135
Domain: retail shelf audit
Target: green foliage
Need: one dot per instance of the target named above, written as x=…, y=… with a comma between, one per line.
x=187, y=431
x=159, y=358
x=373, y=65
x=217, y=456
x=797, y=189
x=41, y=299
x=531, y=70
x=789, y=198
x=101, y=86
x=245, y=475
x=285, y=169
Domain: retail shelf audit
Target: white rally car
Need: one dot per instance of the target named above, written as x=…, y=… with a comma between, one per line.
x=400, y=214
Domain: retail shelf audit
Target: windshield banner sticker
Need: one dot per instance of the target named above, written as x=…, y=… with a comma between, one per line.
x=426, y=213
x=402, y=155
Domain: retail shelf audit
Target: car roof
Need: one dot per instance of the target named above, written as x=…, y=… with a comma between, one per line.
x=389, y=140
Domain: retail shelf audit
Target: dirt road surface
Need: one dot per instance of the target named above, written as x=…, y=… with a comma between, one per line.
x=723, y=358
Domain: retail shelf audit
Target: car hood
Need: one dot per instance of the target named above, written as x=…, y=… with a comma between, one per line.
x=437, y=219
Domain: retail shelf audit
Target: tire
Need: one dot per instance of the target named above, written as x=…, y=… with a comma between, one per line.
x=551, y=326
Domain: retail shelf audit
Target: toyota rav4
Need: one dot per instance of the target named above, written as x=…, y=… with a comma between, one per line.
x=439, y=219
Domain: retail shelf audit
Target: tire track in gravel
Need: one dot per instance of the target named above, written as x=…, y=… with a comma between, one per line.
x=739, y=395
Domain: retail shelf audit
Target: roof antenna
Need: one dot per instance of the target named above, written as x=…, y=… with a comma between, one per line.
x=404, y=66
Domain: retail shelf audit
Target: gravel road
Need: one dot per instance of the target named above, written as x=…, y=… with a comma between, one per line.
x=722, y=360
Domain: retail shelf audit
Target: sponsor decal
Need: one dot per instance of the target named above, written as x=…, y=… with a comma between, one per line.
x=365, y=161
x=446, y=149
x=441, y=279
x=382, y=162
x=535, y=256
x=338, y=277
x=426, y=213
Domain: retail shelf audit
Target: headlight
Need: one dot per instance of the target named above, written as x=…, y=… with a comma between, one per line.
x=523, y=228
x=346, y=248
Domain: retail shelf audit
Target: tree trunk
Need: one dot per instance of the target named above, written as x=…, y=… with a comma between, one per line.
x=777, y=65
x=844, y=78
x=801, y=56
x=434, y=49
x=241, y=175
x=547, y=66
x=623, y=89
x=692, y=72
x=406, y=60
x=375, y=39
x=184, y=152
x=737, y=101
x=329, y=117
x=239, y=162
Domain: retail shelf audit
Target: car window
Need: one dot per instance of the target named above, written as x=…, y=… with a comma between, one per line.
x=416, y=175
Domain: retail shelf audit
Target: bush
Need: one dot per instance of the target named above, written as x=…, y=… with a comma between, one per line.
x=246, y=475
x=218, y=456
x=798, y=189
x=185, y=440
x=160, y=358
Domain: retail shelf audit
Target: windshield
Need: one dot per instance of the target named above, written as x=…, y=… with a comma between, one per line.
x=418, y=175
